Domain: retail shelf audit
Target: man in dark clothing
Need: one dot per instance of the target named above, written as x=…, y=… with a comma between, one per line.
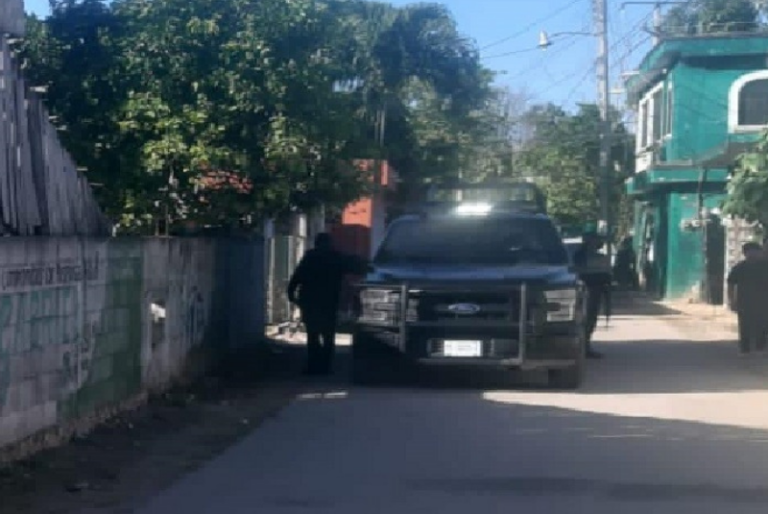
x=318, y=281
x=595, y=271
x=747, y=283
x=625, y=269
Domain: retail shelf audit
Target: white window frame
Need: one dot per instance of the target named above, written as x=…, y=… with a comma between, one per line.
x=733, y=101
x=646, y=102
x=669, y=112
x=642, y=125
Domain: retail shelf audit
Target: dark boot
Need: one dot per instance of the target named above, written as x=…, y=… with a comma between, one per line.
x=592, y=354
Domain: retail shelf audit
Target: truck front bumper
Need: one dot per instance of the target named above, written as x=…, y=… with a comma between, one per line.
x=524, y=341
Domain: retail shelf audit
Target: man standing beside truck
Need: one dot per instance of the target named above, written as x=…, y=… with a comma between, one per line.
x=315, y=287
x=594, y=270
x=747, y=283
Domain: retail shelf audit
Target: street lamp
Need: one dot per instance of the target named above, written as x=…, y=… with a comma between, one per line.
x=603, y=94
x=545, y=40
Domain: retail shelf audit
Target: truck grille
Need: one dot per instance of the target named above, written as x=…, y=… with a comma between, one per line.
x=435, y=306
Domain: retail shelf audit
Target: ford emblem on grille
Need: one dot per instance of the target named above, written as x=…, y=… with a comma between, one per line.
x=464, y=309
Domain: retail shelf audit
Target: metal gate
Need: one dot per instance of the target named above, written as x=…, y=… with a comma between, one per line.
x=283, y=256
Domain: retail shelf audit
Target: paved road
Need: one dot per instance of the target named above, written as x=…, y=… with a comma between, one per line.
x=666, y=425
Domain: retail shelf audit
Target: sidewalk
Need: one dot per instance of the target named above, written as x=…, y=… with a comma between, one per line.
x=699, y=321
x=717, y=317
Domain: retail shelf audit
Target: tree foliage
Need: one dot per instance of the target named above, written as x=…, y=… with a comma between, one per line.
x=712, y=16
x=562, y=152
x=212, y=110
x=748, y=188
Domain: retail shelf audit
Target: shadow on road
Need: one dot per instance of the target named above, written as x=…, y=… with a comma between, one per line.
x=514, y=447
x=637, y=363
x=628, y=368
x=674, y=367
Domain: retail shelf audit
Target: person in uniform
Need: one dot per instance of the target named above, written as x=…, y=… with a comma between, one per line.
x=594, y=269
x=747, y=283
x=625, y=269
x=315, y=287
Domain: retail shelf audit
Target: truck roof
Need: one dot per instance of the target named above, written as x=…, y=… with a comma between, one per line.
x=447, y=209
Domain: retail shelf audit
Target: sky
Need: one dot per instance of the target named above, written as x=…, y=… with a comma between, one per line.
x=507, y=32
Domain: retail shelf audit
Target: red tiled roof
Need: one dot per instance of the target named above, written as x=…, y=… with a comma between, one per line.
x=222, y=180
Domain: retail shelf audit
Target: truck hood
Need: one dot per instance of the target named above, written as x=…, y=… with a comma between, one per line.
x=430, y=273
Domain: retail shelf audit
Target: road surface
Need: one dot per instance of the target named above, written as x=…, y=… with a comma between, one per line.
x=671, y=421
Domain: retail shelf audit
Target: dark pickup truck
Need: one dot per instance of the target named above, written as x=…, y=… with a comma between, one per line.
x=471, y=285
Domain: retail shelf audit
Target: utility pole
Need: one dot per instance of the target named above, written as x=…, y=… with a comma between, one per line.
x=603, y=95
x=656, y=23
x=657, y=15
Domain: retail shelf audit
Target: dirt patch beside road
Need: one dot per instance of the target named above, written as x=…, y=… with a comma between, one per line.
x=140, y=453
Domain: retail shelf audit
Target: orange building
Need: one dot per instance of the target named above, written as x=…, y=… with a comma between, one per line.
x=362, y=223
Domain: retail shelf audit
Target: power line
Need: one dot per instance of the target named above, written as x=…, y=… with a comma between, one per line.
x=591, y=69
x=637, y=28
x=538, y=62
x=579, y=83
x=514, y=52
x=528, y=27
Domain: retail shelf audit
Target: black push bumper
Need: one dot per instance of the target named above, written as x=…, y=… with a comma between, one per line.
x=522, y=339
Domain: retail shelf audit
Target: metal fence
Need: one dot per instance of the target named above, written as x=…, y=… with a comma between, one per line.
x=41, y=190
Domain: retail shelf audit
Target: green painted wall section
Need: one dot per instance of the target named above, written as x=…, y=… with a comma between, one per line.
x=112, y=334
x=685, y=260
x=666, y=179
x=711, y=47
x=678, y=263
x=700, y=72
x=86, y=325
x=700, y=115
x=685, y=268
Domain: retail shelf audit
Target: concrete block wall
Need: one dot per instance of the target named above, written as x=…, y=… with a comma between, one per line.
x=89, y=325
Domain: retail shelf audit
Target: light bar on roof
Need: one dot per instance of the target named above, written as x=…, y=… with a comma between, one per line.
x=474, y=209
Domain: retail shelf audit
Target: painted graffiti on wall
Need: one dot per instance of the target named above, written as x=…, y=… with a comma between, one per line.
x=38, y=319
x=41, y=313
x=78, y=354
x=50, y=275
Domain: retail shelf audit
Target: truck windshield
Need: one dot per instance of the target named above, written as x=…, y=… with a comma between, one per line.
x=473, y=241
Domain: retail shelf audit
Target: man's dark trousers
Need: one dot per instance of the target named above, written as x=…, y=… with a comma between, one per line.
x=594, y=302
x=752, y=331
x=321, y=338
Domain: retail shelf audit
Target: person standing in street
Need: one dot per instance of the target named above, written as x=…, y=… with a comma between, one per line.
x=594, y=269
x=315, y=287
x=625, y=269
x=747, y=283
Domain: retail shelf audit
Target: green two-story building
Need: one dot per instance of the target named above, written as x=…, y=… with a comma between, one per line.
x=701, y=101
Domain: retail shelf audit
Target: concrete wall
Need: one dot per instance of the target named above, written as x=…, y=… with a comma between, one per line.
x=89, y=326
x=12, y=17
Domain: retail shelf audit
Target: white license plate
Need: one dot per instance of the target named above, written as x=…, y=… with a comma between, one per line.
x=463, y=348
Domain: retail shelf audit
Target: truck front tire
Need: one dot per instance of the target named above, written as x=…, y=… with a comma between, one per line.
x=571, y=377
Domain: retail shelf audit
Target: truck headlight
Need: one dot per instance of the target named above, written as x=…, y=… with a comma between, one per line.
x=561, y=304
x=379, y=305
